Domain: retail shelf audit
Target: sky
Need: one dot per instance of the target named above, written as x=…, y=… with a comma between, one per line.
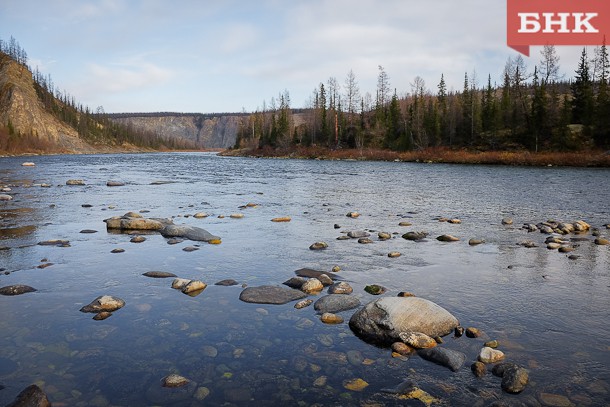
x=205, y=56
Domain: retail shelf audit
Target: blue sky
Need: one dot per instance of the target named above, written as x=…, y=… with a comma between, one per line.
x=225, y=56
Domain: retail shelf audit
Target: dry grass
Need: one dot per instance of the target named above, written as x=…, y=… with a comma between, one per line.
x=442, y=155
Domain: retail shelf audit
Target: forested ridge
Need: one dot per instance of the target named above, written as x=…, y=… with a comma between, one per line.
x=94, y=127
x=532, y=109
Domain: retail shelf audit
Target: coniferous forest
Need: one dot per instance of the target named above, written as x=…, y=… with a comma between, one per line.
x=532, y=109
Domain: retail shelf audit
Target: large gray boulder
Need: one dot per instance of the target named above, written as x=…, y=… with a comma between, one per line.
x=381, y=321
x=188, y=232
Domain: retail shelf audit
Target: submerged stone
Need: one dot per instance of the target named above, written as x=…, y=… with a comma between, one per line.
x=268, y=294
x=449, y=358
x=336, y=303
x=16, y=289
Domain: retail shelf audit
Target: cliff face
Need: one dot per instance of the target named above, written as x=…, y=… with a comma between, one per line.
x=21, y=107
x=207, y=131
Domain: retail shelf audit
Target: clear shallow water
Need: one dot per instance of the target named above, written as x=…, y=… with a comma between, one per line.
x=549, y=313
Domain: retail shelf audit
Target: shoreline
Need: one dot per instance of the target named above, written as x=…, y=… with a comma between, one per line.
x=591, y=158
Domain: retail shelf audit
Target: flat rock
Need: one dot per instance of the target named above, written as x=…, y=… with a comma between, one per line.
x=115, y=184
x=5, y=197
x=104, y=303
x=228, y=282
x=303, y=303
x=295, y=282
x=17, y=289
x=415, y=235
x=381, y=321
x=159, y=274
x=31, y=396
x=357, y=234
x=449, y=358
x=336, y=303
x=86, y=231
x=268, y=294
x=188, y=232
x=75, y=182
x=311, y=273
x=282, y=219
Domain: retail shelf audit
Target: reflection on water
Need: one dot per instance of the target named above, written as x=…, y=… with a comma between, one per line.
x=548, y=312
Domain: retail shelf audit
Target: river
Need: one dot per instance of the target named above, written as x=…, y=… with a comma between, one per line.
x=549, y=313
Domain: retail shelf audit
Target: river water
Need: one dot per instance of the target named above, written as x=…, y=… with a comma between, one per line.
x=549, y=313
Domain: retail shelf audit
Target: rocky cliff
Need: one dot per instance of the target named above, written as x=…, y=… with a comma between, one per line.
x=206, y=130
x=21, y=107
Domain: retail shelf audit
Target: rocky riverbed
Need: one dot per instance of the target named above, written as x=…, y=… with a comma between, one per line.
x=260, y=301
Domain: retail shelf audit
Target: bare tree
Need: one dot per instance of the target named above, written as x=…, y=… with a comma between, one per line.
x=383, y=87
x=549, y=64
x=352, y=94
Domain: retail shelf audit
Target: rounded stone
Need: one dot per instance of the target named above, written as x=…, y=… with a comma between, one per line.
x=312, y=286
x=472, y=332
x=375, y=289
x=475, y=242
x=417, y=340
x=490, y=355
x=393, y=255
x=352, y=214
x=282, y=219
x=318, y=246
x=330, y=318
x=381, y=321
x=237, y=215
x=479, y=369
x=340, y=288
x=16, y=289
x=364, y=240
x=384, y=236
x=303, y=303
x=200, y=215
x=174, y=380
x=104, y=303
x=137, y=239
x=447, y=238
x=355, y=234
x=336, y=303
x=402, y=348
x=507, y=221
x=193, y=286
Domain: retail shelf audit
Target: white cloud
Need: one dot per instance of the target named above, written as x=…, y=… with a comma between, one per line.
x=125, y=76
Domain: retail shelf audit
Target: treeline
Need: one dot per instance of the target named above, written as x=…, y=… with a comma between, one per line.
x=93, y=127
x=532, y=109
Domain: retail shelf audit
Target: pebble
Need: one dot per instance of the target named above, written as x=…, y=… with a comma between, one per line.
x=555, y=400
x=474, y=242
x=5, y=197
x=384, y=236
x=201, y=393
x=454, y=221
x=415, y=235
x=479, y=369
x=405, y=224
x=473, y=332
x=602, y=241
x=490, y=355
x=115, y=184
x=330, y=318
x=200, y=215
x=28, y=164
x=405, y=294
x=492, y=344
x=178, y=283
x=104, y=303
x=88, y=231
x=365, y=240
x=137, y=239
x=193, y=286
x=393, y=255
x=75, y=182
x=190, y=248
x=174, y=380
x=282, y=219
x=319, y=246
x=158, y=274
x=355, y=384
x=325, y=280
x=341, y=287
x=402, y=348
x=566, y=249
x=312, y=286
x=352, y=214
x=447, y=238
x=118, y=250
x=17, y=289
x=355, y=234
x=227, y=283
x=507, y=221
x=303, y=303
x=335, y=269
x=417, y=340
x=458, y=331
x=374, y=289
x=237, y=215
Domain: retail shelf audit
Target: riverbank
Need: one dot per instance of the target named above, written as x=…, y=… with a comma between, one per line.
x=436, y=155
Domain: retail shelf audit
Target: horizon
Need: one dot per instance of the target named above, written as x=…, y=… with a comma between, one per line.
x=154, y=57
